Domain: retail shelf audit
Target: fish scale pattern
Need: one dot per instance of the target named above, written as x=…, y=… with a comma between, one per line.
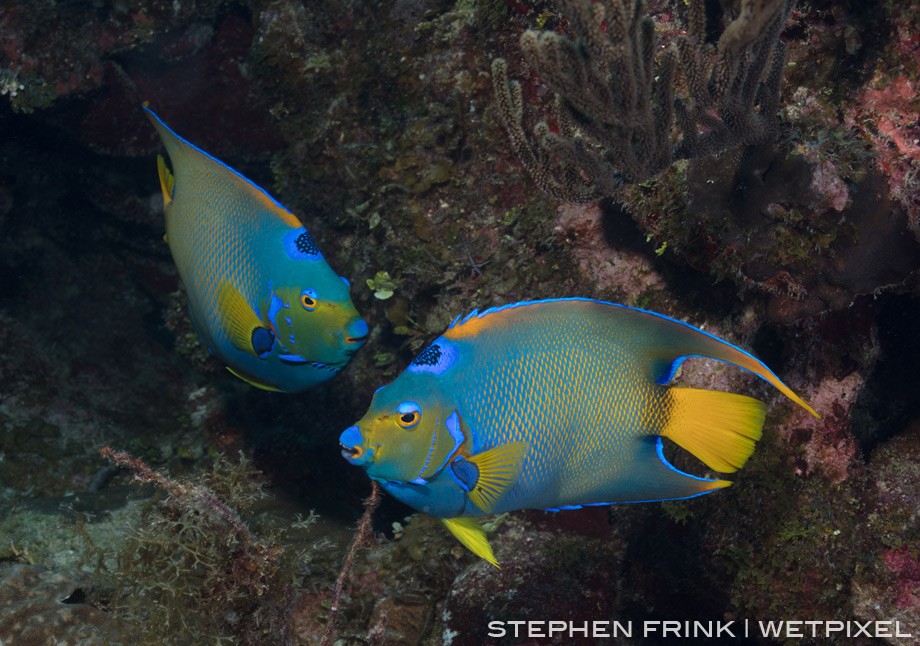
x=220, y=206
x=574, y=387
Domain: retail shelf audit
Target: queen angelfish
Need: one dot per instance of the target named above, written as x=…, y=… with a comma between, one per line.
x=260, y=294
x=553, y=405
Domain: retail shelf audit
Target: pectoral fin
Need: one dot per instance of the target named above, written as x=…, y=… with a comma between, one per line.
x=473, y=537
x=240, y=322
x=488, y=475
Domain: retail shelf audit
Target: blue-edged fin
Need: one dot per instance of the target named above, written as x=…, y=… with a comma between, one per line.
x=240, y=322
x=497, y=470
x=197, y=165
x=252, y=381
x=167, y=181
x=669, y=341
x=719, y=428
x=473, y=537
x=652, y=478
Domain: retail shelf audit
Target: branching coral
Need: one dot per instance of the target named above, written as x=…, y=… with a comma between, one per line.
x=616, y=105
x=363, y=536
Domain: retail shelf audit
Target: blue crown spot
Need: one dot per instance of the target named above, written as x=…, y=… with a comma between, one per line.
x=305, y=243
x=429, y=356
x=436, y=358
x=300, y=245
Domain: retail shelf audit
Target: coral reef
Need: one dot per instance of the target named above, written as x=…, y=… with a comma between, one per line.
x=615, y=93
x=889, y=584
x=194, y=566
x=525, y=592
x=377, y=124
x=755, y=215
x=625, y=273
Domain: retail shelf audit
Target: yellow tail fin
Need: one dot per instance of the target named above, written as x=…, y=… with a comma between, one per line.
x=719, y=428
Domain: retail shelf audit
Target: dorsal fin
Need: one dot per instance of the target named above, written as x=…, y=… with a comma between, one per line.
x=678, y=341
x=669, y=341
x=181, y=151
x=475, y=321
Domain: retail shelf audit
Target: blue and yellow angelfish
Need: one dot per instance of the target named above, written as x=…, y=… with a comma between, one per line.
x=260, y=294
x=553, y=405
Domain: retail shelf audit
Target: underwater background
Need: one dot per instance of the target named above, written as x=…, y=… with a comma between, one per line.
x=224, y=514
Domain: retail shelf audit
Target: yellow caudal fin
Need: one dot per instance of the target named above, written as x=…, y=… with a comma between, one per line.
x=498, y=468
x=240, y=322
x=719, y=428
x=473, y=537
x=167, y=181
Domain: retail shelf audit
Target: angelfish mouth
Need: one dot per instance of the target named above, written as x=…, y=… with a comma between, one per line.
x=351, y=441
x=355, y=332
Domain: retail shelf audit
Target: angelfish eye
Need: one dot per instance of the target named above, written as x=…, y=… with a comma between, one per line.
x=308, y=299
x=408, y=415
x=408, y=420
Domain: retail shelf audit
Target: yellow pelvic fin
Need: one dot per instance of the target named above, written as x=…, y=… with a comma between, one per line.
x=252, y=381
x=498, y=468
x=167, y=181
x=237, y=317
x=719, y=428
x=473, y=537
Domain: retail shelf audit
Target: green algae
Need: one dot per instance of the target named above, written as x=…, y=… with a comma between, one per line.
x=27, y=91
x=199, y=561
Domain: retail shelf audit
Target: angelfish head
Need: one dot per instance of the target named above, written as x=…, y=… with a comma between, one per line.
x=316, y=323
x=405, y=436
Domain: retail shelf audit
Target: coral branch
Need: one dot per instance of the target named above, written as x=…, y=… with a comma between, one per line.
x=362, y=539
x=197, y=496
x=616, y=107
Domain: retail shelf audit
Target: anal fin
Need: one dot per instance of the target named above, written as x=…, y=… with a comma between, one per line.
x=655, y=479
x=252, y=381
x=472, y=536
